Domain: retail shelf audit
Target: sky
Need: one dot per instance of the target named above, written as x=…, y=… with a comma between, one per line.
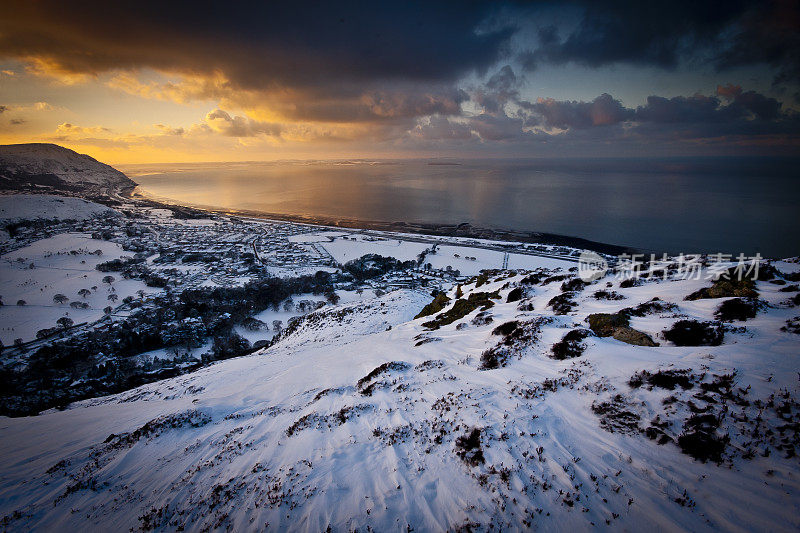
x=157, y=82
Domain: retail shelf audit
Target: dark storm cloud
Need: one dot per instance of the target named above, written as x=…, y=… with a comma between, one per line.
x=743, y=108
x=760, y=106
x=336, y=45
x=697, y=108
x=380, y=103
x=732, y=116
x=664, y=34
x=328, y=45
x=501, y=88
x=602, y=111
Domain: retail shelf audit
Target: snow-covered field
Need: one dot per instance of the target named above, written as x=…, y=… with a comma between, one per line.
x=363, y=417
x=468, y=260
x=63, y=264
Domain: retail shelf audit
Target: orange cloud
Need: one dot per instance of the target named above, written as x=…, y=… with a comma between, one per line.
x=47, y=68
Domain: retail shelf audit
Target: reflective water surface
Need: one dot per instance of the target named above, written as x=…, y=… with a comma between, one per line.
x=687, y=205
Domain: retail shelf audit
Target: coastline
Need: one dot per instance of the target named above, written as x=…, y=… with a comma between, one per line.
x=464, y=230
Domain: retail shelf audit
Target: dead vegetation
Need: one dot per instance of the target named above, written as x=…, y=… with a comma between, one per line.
x=737, y=309
x=438, y=303
x=468, y=448
x=571, y=345
x=694, y=333
x=516, y=336
x=563, y=303
x=463, y=307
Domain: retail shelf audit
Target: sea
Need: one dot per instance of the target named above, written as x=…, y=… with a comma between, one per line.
x=731, y=205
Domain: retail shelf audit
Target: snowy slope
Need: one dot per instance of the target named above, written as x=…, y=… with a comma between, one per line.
x=17, y=207
x=363, y=417
x=18, y=162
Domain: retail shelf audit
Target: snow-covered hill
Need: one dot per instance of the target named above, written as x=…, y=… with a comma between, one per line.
x=35, y=165
x=19, y=207
x=480, y=415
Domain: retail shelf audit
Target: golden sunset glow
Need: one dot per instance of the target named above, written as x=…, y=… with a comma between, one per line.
x=376, y=83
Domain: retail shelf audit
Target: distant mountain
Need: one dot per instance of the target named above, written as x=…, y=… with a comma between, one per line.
x=49, y=167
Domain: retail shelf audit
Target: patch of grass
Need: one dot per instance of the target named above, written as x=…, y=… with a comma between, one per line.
x=576, y=284
x=563, y=303
x=656, y=305
x=506, y=329
x=616, y=416
x=694, y=333
x=737, y=309
x=385, y=367
x=608, y=295
x=792, y=325
x=664, y=379
x=435, y=306
x=570, y=346
x=468, y=448
x=514, y=295
x=481, y=319
x=699, y=438
x=462, y=308
x=516, y=336
x=532, y=279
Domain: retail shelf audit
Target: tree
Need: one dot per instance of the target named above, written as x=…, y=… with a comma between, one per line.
x=113, y=297
x=60, y=299
x=65, y=322
x=459, y=292
x=18, y=343
x=277, y=325
x=107, y=310
x=109, y=279
x=332, y=297
x=21, y=302
x=84, y=293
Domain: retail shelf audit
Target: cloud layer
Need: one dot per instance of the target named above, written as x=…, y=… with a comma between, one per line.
x=401, y=74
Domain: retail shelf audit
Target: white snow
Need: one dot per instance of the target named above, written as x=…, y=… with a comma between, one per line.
x=288, y=439
x=344, y=247
x=63, y=264
x=19, y=207
x=348, y=247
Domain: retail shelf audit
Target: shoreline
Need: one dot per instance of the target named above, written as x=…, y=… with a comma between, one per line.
x=463, y=230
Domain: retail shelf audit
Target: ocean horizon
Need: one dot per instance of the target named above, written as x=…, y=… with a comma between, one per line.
x=675, y=205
